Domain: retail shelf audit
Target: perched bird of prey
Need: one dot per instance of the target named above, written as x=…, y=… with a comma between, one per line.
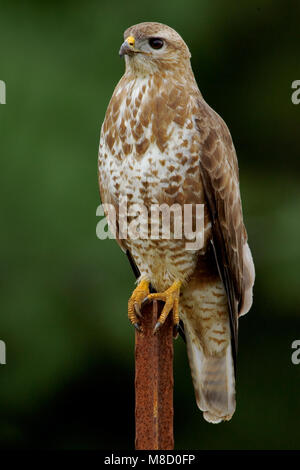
x=161, y=143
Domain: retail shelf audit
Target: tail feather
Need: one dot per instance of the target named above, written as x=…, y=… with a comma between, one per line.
x=213, y=378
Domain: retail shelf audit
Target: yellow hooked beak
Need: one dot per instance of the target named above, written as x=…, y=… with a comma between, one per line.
x=128, y=47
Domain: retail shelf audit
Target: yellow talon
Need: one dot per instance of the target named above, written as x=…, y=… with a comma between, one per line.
x=171, y=299
x=135, y=302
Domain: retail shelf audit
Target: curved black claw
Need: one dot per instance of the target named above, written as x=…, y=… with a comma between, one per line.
x=137, y=310
x=176, y=331
x=157, y=327
x=137, y=327
x=145, y=302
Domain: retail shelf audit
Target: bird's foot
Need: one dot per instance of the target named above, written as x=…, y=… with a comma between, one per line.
x=171, y=299
x=139, y=294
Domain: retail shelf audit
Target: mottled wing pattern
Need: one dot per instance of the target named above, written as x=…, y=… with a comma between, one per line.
x=111, y=217
x=105, y=178
x=220, y=178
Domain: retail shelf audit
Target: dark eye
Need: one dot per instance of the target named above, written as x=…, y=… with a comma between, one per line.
x=156, y=43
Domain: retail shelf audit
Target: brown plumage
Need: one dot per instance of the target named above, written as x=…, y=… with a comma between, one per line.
x=162, y=144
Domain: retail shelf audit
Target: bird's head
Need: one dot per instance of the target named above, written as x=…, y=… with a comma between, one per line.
x=152, y=47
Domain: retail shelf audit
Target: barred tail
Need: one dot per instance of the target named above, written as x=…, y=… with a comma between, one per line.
x=213, y=379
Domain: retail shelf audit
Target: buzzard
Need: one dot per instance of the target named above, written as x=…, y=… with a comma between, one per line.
x=161, y=143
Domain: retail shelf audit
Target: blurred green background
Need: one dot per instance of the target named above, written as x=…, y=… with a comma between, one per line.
x=69, y=377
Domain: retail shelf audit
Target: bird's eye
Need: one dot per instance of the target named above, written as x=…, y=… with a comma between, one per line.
x=156, y=43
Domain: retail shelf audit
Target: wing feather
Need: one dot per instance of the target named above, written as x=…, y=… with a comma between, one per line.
x=220, y=177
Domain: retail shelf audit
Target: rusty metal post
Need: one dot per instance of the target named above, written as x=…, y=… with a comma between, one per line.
x=154, y=382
